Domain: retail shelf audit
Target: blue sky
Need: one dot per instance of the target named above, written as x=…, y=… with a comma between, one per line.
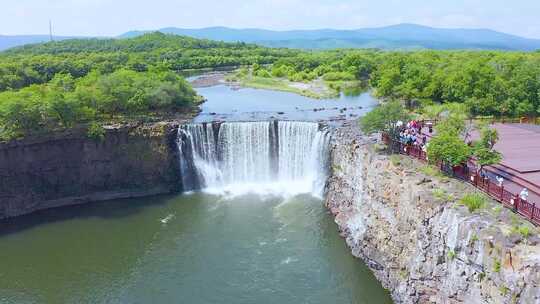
x=113, y=17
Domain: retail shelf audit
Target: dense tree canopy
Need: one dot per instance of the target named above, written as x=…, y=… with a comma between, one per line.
x=34, y=64
x=65, y=101
x=62, y=83
x=488, y=83
x=448, y=145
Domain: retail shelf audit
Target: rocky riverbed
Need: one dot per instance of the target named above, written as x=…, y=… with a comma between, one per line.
x=420, y=243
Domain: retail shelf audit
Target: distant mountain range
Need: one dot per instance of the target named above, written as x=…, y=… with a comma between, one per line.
x=402, y=36
x=7, y=42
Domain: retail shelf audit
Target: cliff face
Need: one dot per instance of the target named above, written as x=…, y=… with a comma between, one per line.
x=418, y=241
x=69, y=168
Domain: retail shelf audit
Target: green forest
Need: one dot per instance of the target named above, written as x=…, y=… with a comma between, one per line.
x=58, y=85
x=489, y=83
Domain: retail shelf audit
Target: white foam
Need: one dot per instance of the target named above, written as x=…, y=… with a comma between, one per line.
x=166, y=219
x=288, y=260
x=258, y=158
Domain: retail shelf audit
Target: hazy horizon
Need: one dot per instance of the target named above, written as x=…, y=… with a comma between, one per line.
x=103, y=18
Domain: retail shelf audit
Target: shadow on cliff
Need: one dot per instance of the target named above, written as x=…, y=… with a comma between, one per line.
x=114, y=209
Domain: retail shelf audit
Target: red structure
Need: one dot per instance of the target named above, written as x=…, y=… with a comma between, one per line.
x=467, y=172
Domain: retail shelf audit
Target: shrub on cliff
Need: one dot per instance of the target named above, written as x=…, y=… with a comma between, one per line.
x=96, y=131
x=473, y=201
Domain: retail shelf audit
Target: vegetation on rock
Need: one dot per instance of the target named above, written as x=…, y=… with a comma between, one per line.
x=473, y=201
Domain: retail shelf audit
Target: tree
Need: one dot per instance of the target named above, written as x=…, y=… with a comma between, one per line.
x=453, y=123
x=525, y=108
x=484, y=151
x=385, y=118
x=20, y=114
x=62, y=109
x=448, y=144
x=448, y=147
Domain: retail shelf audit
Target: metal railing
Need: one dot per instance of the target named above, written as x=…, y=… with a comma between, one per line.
x=526, y=208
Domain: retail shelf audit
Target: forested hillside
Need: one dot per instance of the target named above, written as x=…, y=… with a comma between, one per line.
x=60, y=84
x=489, y=83
x=31, y=64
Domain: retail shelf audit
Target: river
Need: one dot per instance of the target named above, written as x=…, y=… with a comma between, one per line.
x=225, y=103
x=228, y=246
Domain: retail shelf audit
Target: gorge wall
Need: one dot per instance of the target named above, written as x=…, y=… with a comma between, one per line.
x=420, y=244
x=69, y=168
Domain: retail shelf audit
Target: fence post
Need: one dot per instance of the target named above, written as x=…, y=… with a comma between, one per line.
x=532, y=210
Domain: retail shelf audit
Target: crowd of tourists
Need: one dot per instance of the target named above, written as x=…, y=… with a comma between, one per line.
x=411, y=134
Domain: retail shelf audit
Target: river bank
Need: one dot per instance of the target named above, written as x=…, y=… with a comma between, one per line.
x=422, y=245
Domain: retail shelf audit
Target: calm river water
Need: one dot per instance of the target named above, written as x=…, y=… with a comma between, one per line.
x=195, y=248
x=225, y=103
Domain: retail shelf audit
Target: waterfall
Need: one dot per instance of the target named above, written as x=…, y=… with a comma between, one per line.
x=287, y=157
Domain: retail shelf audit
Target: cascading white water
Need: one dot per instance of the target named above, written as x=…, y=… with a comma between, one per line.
x=283, y=157
x=244, y=152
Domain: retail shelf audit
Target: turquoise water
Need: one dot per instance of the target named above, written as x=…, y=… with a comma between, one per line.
x=196, y=248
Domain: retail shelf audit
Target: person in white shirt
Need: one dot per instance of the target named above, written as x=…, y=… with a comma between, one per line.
x=524, y=194
x=500, y=180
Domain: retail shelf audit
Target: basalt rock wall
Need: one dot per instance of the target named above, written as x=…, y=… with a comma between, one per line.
x=420, y=243
x=70, y=168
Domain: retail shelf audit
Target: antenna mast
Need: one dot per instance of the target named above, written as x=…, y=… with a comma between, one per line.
x=50, y=30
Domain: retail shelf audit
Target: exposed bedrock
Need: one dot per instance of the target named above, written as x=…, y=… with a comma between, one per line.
x=418, y=241
x=69, y=168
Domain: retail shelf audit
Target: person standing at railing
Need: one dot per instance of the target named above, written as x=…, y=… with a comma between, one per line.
x=524, y=194
x=500, y=181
